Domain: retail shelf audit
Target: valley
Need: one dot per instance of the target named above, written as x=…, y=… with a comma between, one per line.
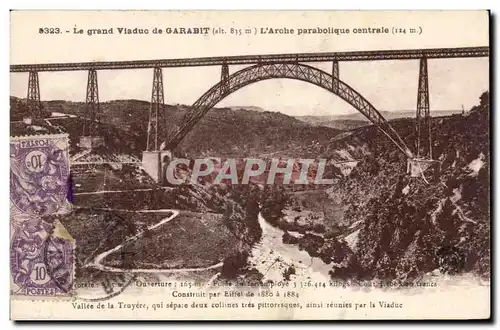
x=373, y=222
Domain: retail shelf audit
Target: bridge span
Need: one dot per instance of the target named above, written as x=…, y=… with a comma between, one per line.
x=372, y=55
x=161, y=141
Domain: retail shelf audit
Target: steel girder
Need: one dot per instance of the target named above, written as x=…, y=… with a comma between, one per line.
x=295, y=71
x=373, y=55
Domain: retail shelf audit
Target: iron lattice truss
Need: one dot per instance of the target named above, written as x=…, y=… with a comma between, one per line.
x=404, y=54
x=335, y=76
x=92, y=113
x=295, y=71
x=33, y=97
x=224, y=77
x=156, y=111
x=423, y=117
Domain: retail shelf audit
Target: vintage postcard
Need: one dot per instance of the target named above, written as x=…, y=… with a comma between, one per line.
x=250, y=165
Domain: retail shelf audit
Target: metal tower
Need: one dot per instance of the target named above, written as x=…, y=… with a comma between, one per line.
x=92, y=114
x=33, y=98
x=156, y=111
x=423, y=120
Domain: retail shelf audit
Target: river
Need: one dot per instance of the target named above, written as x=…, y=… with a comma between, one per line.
x=272, y=257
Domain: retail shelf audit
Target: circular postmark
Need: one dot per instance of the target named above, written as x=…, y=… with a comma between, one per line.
x=59, y=261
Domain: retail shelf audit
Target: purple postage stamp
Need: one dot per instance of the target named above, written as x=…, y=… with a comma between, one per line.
x=41, y=259
x=39, y=172
x=41, y=251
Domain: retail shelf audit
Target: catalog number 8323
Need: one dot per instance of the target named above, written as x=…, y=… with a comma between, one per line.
x=49, y=30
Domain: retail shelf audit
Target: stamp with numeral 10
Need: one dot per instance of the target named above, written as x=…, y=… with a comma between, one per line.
x=41, y=252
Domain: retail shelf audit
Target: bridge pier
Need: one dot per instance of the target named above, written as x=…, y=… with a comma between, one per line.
x=423, y=162
x=335, y=76
x=33, y=98
x=155, y=160
x=155, y=164
x=423, y=120
x=156, y=111
x=90, y=138
x=224, y=78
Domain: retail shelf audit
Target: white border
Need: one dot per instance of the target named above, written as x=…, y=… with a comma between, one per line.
x=255, y=5
x=218, y=5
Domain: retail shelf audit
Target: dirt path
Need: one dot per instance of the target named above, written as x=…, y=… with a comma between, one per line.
x=97, y=262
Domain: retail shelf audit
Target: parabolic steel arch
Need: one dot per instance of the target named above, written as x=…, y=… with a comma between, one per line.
x=295, y=71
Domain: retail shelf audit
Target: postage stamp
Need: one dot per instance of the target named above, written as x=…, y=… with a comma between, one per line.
x=39, y=173
x=41, y=251
x=41, y=258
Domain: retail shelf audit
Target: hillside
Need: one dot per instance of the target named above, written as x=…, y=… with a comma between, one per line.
x=222, y=132
x=380, y=223
x=356, y=119
x=236, y=108
x=374, y=222
x=340, y=124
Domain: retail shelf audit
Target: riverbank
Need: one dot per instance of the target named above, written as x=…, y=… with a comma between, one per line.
x=272, y=261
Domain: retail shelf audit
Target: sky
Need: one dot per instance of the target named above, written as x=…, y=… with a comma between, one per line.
x=388, y=85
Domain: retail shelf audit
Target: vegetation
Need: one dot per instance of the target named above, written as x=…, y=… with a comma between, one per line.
x=405, y=226
x=288, y=272
x=235, y=265
x=221, y=132
x=444, y=224
x=177, y=244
